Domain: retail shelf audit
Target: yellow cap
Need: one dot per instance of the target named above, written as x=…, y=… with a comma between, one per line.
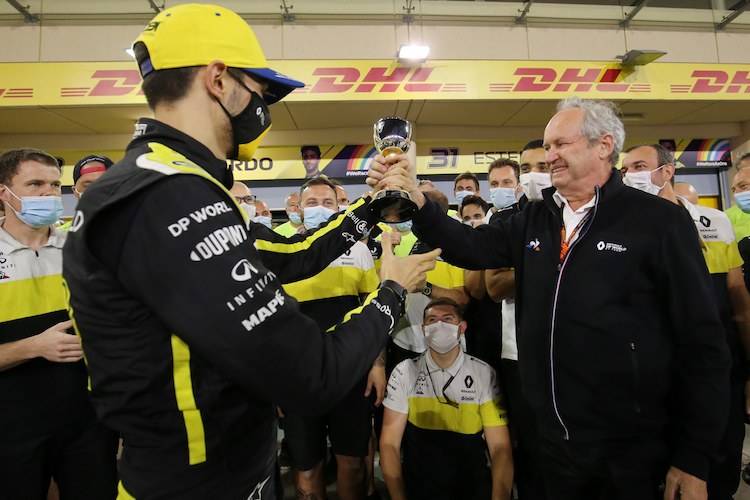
x=195, y=35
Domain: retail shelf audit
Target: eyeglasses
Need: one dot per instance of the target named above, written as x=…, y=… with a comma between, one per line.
x=448, y=401
x=246, y=199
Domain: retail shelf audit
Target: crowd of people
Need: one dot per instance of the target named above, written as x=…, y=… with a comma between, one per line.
x=582, y=331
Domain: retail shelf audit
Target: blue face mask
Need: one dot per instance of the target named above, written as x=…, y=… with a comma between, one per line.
x=315, y=216
x=261, y=219
x=403, y=226
x=463, y=194
x=502, y=197
x=295, y=218
x=743, y=201
x=38, y=211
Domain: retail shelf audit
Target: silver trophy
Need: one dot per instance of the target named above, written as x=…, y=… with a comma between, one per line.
x=392, y=137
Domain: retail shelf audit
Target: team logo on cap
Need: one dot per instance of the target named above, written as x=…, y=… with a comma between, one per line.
x=152, y=26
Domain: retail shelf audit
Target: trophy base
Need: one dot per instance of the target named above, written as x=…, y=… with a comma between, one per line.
x=392, y=205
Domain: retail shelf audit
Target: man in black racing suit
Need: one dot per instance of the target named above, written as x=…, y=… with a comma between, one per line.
x=189, y=338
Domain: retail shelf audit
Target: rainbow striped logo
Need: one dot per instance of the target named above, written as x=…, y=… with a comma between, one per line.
x=713, y=149
x=360, y=158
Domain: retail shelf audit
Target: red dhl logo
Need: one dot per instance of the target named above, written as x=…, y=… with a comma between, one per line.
x=572, y=80
x=338, y=80
x=712, y=82
x=112, y=83
x=115, y=83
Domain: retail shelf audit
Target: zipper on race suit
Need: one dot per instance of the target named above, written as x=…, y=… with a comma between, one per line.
x=560, y=270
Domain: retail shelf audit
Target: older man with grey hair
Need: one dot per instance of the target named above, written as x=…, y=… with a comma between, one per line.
x=621, y=347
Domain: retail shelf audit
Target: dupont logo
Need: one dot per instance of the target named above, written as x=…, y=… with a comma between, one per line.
x=612, y=247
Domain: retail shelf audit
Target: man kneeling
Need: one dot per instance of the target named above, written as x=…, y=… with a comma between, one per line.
x=438, y=405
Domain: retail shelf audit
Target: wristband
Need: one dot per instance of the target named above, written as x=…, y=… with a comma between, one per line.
x=400, y=292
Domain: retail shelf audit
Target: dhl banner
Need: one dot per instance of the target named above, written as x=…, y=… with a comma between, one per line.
x=352, y=161
x=83, y=83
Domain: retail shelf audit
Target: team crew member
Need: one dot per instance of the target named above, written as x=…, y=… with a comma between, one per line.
x=263, y=214
x=502, y=175
x=437, y=408
x=189, y=338
x=326, y=298
x=739, y=214
x=47, y=426
x=292, y=211
x=244, y=197
x=623, y=276
x=87, y=170
x=464, y=185
x=650, y=168
x=535, y=173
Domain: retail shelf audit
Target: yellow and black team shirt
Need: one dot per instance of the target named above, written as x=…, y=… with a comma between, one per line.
x=38, y=396
x=720, y=250
x=443, y=445
x=330, y=294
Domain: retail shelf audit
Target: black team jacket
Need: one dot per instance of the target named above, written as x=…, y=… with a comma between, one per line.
x=620, y=340
x=189, y=338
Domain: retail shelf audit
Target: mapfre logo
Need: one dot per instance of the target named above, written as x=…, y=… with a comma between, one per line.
x=377, y=80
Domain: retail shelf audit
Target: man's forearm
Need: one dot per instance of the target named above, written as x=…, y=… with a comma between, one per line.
x=380, y=360
x=474, y=284
x=502, y=473
x=390, y=463
x=15, y=353
x=501, y=283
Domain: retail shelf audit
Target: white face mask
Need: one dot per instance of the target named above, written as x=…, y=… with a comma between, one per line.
x=249, y=210
x=533, y=183
x=442, y=337
x=642, y=181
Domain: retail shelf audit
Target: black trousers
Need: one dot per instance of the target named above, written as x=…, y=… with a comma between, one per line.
x=632, y=469
x=528, y=471
x=81, y=457
x=724, y=478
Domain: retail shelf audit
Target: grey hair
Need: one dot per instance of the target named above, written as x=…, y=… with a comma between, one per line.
x=600, y=118
x=741, y=158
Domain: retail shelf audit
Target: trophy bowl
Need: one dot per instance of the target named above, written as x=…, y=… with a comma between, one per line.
x=392, y=136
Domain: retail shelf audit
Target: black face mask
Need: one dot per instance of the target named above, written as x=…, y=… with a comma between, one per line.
x=248, y=127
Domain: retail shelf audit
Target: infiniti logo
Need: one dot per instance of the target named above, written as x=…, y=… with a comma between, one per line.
x=243, y=270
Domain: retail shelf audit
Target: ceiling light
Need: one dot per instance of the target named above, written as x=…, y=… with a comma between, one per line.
x=640, y=57
x=130, y=52
x=413, y=53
